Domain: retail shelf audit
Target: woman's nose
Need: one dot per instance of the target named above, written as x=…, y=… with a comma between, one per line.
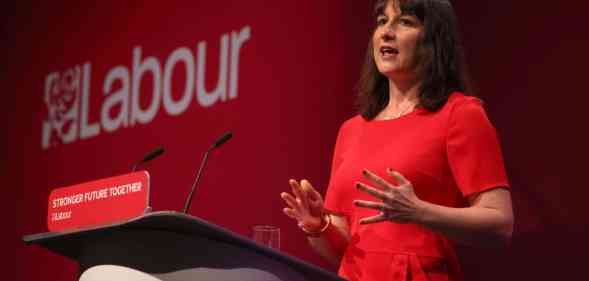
x=388, y=33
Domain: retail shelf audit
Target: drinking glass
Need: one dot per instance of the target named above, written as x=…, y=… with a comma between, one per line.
x=267, y=235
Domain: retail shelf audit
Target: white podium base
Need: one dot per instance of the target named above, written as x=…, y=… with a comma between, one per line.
x=116, y=273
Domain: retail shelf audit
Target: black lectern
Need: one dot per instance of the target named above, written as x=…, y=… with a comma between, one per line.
x=175, y=246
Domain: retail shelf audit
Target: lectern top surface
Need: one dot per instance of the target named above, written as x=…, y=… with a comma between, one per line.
x=70, y=243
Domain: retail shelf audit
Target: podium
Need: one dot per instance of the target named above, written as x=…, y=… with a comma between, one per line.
x=172, y=246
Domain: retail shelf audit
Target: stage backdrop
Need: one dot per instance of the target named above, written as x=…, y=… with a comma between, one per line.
x=90, y=88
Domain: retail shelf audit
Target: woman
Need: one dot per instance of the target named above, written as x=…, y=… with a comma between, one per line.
x=419, y=168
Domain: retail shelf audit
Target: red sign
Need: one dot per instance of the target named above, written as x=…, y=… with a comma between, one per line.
x=98, y=202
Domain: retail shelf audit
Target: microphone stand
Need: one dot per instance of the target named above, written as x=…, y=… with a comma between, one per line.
x=202, y=166
x=216, y=144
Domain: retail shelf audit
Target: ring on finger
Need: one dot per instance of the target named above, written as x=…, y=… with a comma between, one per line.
x=385, y=211
x=382, y=210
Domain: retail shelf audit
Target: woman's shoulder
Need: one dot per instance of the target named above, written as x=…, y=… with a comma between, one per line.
x=459, y=99
x=466, y=110
x=459, y=104
x=352, y=123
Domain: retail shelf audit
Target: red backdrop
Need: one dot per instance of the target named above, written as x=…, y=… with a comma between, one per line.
x=295, y=85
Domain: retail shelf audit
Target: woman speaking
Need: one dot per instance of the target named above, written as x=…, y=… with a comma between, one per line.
x=419, y=168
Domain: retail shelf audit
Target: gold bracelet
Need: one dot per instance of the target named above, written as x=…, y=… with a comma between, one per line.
x=320, y=231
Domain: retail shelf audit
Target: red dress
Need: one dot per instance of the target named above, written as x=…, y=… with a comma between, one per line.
x=447, y=155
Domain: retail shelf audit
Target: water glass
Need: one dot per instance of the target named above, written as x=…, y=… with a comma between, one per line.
x=267, y=235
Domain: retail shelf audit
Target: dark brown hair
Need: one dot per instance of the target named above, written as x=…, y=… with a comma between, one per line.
x=442, y=64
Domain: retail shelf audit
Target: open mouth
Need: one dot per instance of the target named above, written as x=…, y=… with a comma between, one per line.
x=388, y=51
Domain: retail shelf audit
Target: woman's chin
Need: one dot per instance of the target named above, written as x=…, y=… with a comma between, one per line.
x=390, y=73
x=394, y=73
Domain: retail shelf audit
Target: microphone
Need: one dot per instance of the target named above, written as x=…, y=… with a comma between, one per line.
x=148, y=157
x=220, y=141
x=224, y=138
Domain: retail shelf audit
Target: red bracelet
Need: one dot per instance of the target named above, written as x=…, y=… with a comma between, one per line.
x=320, y=231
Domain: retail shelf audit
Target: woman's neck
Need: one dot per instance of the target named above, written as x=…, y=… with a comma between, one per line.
x=403, y=92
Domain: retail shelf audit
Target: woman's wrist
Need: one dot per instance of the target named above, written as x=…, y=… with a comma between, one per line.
x=423, y=213
x=325, y=222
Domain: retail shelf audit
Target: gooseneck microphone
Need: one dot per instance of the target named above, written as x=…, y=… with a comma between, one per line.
x=148, y=157
x=220, y=141
x=224, y=138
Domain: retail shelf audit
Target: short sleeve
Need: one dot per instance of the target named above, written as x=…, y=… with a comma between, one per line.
x=473, y=149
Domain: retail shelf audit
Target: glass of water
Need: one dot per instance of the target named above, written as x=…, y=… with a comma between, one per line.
x=267, y=235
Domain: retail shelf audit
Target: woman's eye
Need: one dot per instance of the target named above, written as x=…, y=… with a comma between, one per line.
x=381, y=21
x=405, y=22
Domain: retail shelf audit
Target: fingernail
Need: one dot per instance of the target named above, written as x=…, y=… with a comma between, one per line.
x=364, y=172
x=357, y=185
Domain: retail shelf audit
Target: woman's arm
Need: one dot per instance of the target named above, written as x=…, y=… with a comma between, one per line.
x=487, y=222
x=332, y=242
x=305, y=205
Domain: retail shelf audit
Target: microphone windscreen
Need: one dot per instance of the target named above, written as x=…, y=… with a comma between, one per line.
x=153, y=154
x=223, y=139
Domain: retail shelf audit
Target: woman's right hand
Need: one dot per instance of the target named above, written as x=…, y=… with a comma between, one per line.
x=305, y=205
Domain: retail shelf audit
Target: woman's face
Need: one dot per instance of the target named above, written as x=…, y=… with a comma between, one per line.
x=395, y=42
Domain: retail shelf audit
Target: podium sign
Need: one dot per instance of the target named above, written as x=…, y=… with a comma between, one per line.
x=98, y=202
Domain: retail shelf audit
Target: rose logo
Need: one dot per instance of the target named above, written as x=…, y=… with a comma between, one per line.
x=61, y=97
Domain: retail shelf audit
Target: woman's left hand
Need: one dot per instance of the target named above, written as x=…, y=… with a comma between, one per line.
x=399, y=202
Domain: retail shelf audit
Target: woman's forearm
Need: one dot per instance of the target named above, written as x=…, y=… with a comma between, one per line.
x=323, y=247
x=332, y=243
x=474, y=226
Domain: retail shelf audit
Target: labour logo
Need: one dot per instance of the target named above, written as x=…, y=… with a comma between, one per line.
x=62, y=94
x=68, y=100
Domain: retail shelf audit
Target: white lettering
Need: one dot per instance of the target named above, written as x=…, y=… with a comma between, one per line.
x=87, y=130
x=61, y=216
x=207, y=99
x=140, y=67
x=237, y=41
x=68, y=101
x=69, y=200
x=172, y=107
x=125, y=189
x=118, y=98
x=95, y=195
